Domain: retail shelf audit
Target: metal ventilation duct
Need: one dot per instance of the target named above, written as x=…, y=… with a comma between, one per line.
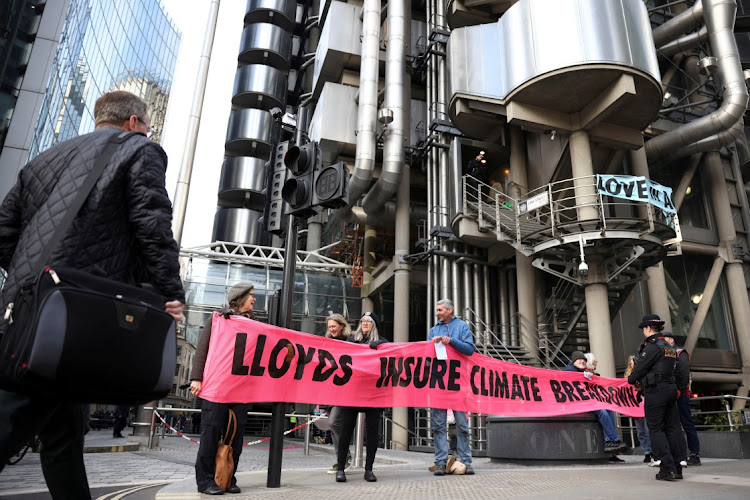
x=249, y=133
x=259, y=86
x=241, y=182
x=719, y=128
x=264, y=43
x=282, y=13
x=238, y=225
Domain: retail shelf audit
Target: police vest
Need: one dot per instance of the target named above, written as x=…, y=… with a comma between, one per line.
x=663, y=370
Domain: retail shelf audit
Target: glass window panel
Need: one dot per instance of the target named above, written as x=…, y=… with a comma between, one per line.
x=686, y=278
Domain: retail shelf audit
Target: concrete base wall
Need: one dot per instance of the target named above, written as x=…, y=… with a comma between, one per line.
x=533, y=439
x=718, y=444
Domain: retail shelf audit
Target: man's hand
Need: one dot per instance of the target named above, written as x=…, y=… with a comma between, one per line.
x=444, y=339
x=195, y=387
x=174, y=308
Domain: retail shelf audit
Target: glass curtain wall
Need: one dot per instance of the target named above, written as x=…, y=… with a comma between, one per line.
x=107, y=45
x=19, y=20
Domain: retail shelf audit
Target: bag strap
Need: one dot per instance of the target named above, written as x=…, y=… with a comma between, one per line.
x=83, y=192
x=232, y=423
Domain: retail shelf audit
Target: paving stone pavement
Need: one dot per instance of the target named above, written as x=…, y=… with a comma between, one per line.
x=401, y=475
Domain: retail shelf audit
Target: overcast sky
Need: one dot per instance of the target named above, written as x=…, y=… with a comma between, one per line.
x=191, y=17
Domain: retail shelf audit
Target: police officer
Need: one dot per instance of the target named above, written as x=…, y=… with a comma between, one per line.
x=654, y=371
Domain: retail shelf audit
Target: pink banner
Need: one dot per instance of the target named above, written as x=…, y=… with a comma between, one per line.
x=247, y=363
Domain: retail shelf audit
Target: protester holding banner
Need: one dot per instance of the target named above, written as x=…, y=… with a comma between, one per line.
x=612, y=442
x=366, y=333
x=214, y=416
x=454, y=332
x=338, y=329
x=654, y=371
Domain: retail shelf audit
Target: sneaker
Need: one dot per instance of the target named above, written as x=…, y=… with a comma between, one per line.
x=469, y=470
x=614, y=459
x=678, y=475
x=683, y=463
x=647, y=458
x=654, y=463
x=694, y=459
x=610, y=446
x=439, y=470
x=334, y=469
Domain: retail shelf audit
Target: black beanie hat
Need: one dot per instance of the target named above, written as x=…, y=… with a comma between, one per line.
x=373, y=317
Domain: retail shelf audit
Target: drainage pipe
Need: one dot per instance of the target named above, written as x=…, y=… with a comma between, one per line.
x=364, y=159
x=399, y=17
x=696, y=135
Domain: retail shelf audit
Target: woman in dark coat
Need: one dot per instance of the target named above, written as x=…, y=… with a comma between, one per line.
x=367, y=333
x=214, y=416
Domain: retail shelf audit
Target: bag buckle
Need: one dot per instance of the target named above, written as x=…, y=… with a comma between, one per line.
x=9, y=314
x=53, y=275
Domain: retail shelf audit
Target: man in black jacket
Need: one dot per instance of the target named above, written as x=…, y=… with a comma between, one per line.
x=123, y=231
x=682, y=379
x=654, y=372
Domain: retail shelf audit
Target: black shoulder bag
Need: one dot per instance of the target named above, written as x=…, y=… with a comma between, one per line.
x=78, y=337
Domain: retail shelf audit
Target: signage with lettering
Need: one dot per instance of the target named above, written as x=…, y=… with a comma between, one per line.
x=250, y=362
x=636, y=189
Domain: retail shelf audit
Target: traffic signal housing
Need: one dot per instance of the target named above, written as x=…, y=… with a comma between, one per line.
x=331, y=186
x=276, y=174
x=301, y=163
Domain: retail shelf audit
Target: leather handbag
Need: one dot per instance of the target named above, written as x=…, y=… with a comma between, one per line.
x=224, y=468
x=79, y=337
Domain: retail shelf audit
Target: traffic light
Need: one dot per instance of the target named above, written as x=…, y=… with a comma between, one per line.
x=331, y=186
x=273, y=211
x=302, y=162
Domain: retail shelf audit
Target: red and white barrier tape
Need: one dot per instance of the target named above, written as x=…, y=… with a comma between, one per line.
x=243, y=444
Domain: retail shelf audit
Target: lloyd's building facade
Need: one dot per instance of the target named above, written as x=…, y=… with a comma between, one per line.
x=614, y=138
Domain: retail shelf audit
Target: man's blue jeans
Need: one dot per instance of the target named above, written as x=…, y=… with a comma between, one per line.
x=643, y=436
x=439, y=435
x=686, y=419
x=608, y=425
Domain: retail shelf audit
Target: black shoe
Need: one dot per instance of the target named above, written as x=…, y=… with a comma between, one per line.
x=614, y=459
x=370, y=477
x=213, y=490
x=440, y=470
x=234, y=489
x=678, y=475
x=647, y=458
x=693, y=460
x=666, y=476
x=340, y=476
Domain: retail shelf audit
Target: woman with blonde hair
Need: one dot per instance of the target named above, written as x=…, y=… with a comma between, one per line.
x=339, y=329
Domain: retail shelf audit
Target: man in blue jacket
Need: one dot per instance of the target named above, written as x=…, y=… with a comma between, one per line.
x=453, y=332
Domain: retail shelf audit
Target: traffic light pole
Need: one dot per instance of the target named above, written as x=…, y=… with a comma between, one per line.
x=284, y=320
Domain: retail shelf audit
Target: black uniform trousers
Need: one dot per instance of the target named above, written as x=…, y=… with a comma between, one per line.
x=663, y=420
x=372, y=436
x=60, y=427
x=214, y=417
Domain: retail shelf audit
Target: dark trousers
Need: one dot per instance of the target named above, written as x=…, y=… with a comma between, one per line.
x=61, y=427
x=663, y=423
x=348, y=421
x=686, y=418
x=214, y=417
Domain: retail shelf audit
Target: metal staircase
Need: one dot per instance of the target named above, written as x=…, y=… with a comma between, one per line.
x=627, y=236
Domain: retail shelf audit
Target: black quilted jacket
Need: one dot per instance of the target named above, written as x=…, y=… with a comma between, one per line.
x=123, y=231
